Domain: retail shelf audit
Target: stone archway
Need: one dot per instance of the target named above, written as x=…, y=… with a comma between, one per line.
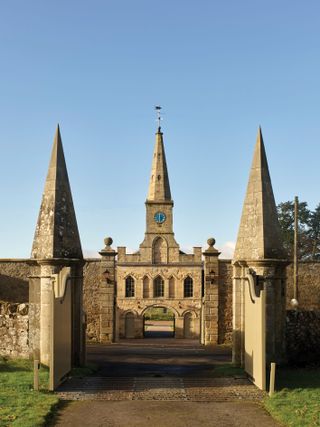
x=158, y=322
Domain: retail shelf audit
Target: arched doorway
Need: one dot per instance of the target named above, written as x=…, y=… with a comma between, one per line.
x=188, y=327
x=129, y=325
x=158, y=322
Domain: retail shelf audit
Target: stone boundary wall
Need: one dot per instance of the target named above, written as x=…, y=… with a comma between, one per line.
x=14, y=282
x=303, y=337
x=308, y=285
x=14, y=330
x=91, y=298
x=225, y=302
x=14, y=288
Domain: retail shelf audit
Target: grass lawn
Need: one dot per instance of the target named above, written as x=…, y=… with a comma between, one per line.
x=19, y=404
x=227, y=370
x=297, y=401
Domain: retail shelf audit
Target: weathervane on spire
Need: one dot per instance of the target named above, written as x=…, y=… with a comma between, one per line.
x=159, y=118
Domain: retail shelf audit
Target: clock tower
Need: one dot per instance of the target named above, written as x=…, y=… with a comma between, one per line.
x=159, y=206
x=159, y=274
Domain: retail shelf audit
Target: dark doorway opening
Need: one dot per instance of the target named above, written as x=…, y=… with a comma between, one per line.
x=158, y=322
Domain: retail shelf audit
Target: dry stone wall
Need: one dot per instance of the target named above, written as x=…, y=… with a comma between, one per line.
x=225, y=302
x=14, y=329
x=303, y=337
x=14, y=286
x=91, y=298
x=308, y=285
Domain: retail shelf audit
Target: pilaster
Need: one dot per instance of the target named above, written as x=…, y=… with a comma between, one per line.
x=270, y=274
x=211, y=294
x=107, y=293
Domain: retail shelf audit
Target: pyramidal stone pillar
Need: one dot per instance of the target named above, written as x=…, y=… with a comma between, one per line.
x=57, y=245
x=259, y=250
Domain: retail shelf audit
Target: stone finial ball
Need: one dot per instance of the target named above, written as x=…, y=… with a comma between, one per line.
x=108, y=241
x=211, y=241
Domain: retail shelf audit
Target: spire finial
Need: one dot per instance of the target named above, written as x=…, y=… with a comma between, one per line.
x=158, y=109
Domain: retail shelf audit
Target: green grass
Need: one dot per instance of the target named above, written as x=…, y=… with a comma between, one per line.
x=159, y=313
x=227, y=370
x=297, y=401
x=84, y=371
x=20, y=405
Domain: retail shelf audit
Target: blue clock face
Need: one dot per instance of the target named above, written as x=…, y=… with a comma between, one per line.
x=159, y=217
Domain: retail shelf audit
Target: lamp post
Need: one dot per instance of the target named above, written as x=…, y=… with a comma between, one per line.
x=294, y=301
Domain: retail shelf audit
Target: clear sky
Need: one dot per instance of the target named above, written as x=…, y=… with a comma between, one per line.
x=98, y=67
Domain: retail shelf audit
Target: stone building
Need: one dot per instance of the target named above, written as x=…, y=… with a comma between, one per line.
x=159, y=274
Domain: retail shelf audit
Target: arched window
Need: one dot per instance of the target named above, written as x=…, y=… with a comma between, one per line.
x=171, y=287
x=188, y=287
x=159, y=251
x=158, y=287
x=146, y=293
x=129, y=287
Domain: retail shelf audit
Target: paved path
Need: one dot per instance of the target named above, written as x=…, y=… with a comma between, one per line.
x=164, y=414
x=159, y=383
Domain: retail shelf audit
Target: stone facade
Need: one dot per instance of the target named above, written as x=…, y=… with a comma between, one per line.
x=173, y=297
x=14, y=330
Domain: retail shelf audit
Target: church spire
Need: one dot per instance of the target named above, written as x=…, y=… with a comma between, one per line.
x=259, y=235
x=159, y=187
x=56, y=234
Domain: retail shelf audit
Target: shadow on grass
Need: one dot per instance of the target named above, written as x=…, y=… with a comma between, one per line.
x=55, y=411
x=84, y=371
x=21, y=365
x=228, y=370
x=293, y=378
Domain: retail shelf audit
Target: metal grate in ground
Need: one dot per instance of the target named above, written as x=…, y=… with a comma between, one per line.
x=165, y=388
x=97, y=388
x=162, y=388
x=221, y=389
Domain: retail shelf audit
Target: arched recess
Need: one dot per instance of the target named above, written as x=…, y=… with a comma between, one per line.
x=146, y=287
x=158, y=287
x=188, y=325
x=129, y=325
x=159, y=251
x=172, y=285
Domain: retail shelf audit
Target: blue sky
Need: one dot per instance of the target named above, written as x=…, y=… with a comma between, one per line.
x=218, y=68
